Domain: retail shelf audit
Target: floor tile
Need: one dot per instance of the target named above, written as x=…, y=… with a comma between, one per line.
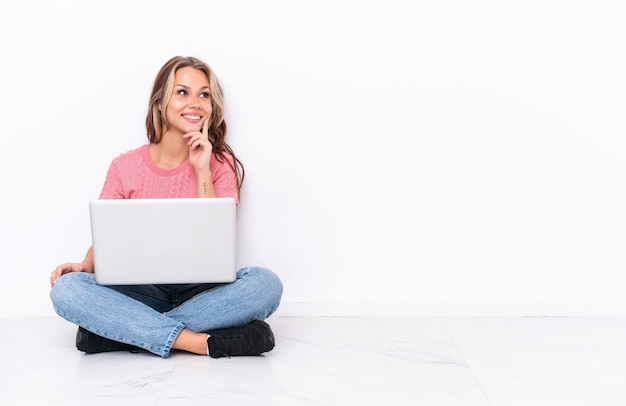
x=547, y=366
x=335, y=361
x=536, y=331
x=557, y=395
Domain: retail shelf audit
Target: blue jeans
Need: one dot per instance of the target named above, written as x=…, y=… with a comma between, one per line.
x=152, y=316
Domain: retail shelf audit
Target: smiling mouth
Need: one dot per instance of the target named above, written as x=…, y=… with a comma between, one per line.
x=191, y=117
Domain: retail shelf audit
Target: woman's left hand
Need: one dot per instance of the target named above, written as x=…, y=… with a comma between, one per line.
x=200, y=148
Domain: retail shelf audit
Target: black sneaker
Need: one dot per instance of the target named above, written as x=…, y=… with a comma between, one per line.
x=91, y=343
x=254, y=338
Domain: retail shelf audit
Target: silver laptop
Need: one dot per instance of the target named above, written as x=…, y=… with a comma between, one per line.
x=154, y=241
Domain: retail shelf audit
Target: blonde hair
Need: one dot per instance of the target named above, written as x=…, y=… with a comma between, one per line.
x=162, y=89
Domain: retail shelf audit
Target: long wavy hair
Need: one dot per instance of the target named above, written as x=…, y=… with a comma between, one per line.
x=156, y=120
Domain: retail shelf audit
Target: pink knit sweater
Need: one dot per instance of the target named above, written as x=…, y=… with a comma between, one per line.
x=133, y=175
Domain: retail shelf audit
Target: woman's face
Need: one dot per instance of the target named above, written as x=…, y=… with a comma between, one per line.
x=190, y=104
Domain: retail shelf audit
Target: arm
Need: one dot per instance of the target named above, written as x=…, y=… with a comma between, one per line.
x=200, y=151
x=112, y=189
x=85, y=266
x=205, y=184
x=88, y=261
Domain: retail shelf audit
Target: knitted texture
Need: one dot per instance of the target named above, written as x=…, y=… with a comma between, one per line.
x=133, y=175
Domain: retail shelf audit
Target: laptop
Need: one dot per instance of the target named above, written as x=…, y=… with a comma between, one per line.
x=163, y=241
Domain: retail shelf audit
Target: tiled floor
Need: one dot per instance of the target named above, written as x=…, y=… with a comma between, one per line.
x=336, y=361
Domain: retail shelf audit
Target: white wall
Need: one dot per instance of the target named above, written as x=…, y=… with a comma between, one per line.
x=412, y=158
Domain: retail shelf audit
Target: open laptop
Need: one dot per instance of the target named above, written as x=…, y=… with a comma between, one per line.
x=155, y=241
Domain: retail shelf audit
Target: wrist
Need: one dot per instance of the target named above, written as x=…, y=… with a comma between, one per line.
x=203, y=173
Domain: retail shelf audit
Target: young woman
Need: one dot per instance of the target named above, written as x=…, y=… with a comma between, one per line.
x=186, y=157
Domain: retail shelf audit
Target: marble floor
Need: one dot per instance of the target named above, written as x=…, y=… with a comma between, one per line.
x=336, y=361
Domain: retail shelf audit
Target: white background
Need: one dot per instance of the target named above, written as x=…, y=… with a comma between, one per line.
x=418, y=157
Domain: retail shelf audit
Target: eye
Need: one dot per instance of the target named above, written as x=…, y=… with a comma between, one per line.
x=205, y=95
x=182, y=92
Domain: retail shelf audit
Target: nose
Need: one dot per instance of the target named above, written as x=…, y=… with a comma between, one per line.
x=194, y=102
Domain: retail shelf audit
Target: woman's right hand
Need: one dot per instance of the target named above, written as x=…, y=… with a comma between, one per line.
x=67, y=268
